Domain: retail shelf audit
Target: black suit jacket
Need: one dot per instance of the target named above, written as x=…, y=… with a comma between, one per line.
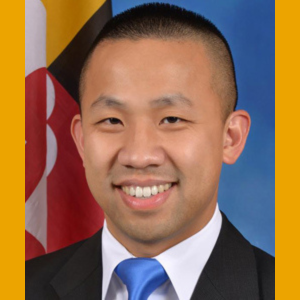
x=235, y=271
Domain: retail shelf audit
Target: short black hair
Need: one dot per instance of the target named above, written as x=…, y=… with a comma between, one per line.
x=166, y=22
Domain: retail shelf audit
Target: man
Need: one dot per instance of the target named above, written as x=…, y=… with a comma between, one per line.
x=158, y=119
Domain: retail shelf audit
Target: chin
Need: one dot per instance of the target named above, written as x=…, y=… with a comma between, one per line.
x=148, y=233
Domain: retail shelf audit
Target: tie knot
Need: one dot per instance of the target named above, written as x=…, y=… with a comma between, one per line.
x=141, y=276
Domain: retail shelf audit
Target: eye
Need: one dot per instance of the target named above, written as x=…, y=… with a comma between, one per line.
x=111, y=121
x=171, y=120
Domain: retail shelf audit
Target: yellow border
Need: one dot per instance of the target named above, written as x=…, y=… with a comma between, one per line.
x=12, y=142
x=287, y=149
x=12, y=123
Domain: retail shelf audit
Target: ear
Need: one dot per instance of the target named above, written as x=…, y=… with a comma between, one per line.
x=77, y=134
x=235, y=135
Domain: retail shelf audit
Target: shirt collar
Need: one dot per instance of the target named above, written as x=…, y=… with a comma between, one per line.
x=112, y=254
x=183, y=262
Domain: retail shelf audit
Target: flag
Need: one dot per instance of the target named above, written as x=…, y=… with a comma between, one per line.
x=59, y=208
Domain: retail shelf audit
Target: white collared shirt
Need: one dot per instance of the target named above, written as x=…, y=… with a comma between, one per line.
x=183, y=263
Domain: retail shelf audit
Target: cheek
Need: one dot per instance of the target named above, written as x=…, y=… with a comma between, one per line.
x=98, y=158
x=99, y=153
x=199, y=156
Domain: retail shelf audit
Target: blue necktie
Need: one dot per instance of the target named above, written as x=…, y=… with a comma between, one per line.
x=141, y=276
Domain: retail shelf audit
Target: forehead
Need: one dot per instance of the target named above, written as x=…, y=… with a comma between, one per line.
x=147, y=69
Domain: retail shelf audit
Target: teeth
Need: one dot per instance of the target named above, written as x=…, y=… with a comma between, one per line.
x=138, y=192
x=145, y=192
x=132, y=191
x=154, y=190
x=161, y=188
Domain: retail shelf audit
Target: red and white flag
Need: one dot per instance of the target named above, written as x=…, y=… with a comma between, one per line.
x=59, y=207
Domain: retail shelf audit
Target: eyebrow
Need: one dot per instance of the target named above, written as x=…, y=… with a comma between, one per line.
x=107, y=101
x=164, y=101
x=171, y=100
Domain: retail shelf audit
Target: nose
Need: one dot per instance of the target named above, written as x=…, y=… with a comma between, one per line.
x=142, y=148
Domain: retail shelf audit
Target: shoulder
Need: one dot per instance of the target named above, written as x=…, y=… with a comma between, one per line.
x=247, y=261
x=49, y=263
x=43, y=273
x=41, y=270
x=265, y=265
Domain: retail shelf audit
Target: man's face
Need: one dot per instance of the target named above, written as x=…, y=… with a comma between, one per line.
x=150, y=118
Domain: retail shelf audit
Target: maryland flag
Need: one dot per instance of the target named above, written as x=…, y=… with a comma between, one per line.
x=59, y=207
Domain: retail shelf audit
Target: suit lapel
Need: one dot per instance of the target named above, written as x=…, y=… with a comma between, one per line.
x=230, y=272
x=205, y=290
x=81, y=276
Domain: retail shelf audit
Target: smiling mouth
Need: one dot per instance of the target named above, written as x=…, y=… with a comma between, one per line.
x=146, y=191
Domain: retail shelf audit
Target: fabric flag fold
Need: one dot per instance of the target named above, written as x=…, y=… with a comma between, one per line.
x=59, y=207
